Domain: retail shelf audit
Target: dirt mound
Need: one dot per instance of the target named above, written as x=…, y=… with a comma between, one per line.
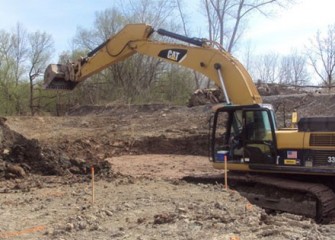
x=91, y=134
x=20, y=156
x=139, y=129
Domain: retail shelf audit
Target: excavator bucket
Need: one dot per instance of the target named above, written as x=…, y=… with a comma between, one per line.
x=55, y=77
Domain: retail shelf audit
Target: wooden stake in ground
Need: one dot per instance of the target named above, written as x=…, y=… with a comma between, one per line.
x=225, y=173
x=92, y=173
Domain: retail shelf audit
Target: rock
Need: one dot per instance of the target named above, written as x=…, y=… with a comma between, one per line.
x=164, y=218
x=77, y=161
x=117, y=234
x=2, y=120
x=141, y=220
x=69, y=227
x=219, y=206
x=2, y=166
x=6, y=151
x=109, y=213
x=16, y=170
x=82, y=225
x=95, y=227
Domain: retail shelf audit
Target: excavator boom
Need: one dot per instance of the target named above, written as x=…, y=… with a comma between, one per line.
x=215, y=63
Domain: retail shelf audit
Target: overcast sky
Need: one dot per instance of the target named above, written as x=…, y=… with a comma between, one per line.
x=290, y=29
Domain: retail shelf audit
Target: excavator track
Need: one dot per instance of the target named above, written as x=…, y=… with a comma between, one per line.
x=309, y=199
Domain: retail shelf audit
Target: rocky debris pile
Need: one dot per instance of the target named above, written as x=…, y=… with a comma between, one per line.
x=206, y=96
x=20, y=156
x=306, y=105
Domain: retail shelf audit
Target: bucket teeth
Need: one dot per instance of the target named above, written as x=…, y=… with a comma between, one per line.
x=60, y=84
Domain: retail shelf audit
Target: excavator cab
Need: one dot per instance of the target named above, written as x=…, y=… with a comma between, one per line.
x=244, y=134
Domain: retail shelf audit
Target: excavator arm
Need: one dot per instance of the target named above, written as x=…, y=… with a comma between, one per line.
x=215, y=63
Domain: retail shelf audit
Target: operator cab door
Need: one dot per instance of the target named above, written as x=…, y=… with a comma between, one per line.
x=226, y=129
x=258, y=138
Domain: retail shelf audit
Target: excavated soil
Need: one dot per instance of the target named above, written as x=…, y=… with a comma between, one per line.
x=140, y=155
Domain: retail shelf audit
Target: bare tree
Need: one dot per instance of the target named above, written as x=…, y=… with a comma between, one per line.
x=247, y=55
x=22, y=54
x=19, y=51
x=13, y=53
x=183, y=17
x=199, y=79
x=40, y=51
x=157, y=13
x=293, y=69
x=5, y=57
x=107, y=23
x=227, y=18
x=136, y=74
x=6, y=73
x=321, y=54
x=266, y=68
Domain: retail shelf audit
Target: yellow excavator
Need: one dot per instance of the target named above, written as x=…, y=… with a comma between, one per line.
x=280, y=169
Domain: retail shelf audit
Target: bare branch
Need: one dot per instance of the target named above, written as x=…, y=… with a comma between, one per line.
x=321, y=54
x=226, y=17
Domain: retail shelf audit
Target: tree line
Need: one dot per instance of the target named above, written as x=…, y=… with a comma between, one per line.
x=24, y=56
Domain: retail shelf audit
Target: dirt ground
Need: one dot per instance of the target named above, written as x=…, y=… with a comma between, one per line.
x=140, y=155
x=144, y=199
